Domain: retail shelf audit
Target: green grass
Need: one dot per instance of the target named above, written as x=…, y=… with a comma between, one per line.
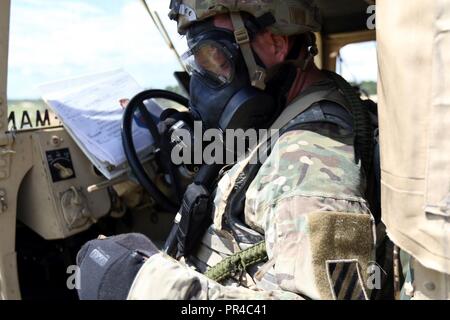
x=27, y=103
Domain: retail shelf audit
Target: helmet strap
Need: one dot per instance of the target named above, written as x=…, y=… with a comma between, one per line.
x=257, y=74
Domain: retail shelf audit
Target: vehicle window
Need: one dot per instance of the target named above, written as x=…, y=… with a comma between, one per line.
x=52, y=40
x=357, y=63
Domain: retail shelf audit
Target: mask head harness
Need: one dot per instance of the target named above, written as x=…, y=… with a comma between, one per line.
x=256, y=73
x=245, y=30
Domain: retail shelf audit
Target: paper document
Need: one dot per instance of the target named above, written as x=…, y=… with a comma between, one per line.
x=91, y=109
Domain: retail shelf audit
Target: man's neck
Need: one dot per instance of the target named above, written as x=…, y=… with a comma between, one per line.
x=304, y=80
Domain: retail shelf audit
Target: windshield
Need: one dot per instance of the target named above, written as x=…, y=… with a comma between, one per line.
x=357, y=63
x=57, y=39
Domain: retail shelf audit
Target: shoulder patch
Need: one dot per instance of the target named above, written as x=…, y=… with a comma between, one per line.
x=346, y=282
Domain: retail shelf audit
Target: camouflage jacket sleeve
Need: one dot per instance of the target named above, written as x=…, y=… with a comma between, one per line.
x=163, y=278
x=307, y=199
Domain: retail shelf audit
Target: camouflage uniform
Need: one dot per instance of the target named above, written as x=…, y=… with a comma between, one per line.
x=307, y=203
x=306, y=200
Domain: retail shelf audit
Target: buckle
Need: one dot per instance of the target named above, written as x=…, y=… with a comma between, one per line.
x=241, y=36
x=258, y=79
x=259, y=75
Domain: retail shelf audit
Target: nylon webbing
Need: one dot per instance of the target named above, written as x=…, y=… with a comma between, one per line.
x=364, y=142
x=257, y=74
x=238, y=262
x=300, y=105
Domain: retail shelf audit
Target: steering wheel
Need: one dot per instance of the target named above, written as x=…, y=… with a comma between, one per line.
x=129, y=147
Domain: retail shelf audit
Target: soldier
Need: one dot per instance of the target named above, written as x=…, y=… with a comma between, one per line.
x=294, y=226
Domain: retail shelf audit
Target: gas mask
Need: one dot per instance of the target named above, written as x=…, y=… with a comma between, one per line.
x=221, y=92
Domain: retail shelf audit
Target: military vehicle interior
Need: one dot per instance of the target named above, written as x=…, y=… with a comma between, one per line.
x=51, y=181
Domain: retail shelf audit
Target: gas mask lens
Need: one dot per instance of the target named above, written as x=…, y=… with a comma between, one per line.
x=212, y=61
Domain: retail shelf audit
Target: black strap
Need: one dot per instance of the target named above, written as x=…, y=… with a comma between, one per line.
x=363, y=127
x=194, y=216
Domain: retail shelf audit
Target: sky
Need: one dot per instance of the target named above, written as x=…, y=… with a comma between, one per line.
x=58, y=39
x=357, y=65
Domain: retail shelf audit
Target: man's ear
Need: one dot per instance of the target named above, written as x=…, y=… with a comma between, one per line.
x=281, y=47
x=271, y=48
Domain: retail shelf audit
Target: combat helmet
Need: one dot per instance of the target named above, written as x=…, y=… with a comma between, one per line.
x=282, y=17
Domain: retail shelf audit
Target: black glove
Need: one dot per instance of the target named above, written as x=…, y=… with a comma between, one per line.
x=168, y=119
x=108, y=267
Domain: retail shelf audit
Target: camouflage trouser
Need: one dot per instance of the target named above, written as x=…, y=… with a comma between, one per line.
x=422, y=283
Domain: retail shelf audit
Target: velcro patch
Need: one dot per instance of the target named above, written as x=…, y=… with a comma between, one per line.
x=346, y=283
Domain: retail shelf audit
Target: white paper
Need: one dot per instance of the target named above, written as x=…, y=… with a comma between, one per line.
x=90, y=108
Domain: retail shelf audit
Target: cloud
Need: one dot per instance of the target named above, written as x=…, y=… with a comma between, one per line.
x=53, y=39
